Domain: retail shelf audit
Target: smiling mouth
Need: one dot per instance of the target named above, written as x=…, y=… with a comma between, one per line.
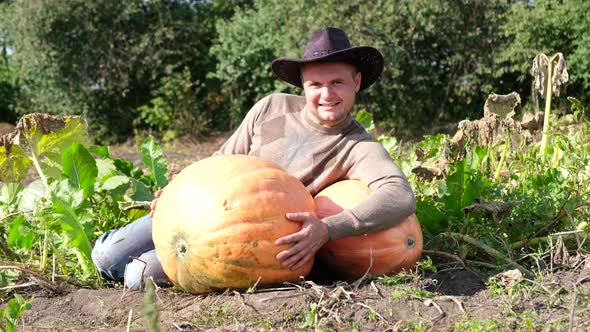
x=330, y=104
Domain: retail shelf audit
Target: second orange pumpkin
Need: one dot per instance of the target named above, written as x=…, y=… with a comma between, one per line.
x=392, y=249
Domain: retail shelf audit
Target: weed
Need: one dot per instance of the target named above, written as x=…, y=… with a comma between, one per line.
x=372, y=315
x=476, y=326
x=310, y=317
x=150, y=310
x=426, y=265
x=408, y=283
x=513, y=290
x=414, y=326
x=216, y=316
x=13, y=310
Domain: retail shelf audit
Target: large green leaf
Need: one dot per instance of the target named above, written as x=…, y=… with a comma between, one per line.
x=70, y=220
x=31, y=196
x=21, y=235
x=117, y=185
x=11, y=313
x=432, y=218
x=14, y=163
x=390, y=143
x=115, y=182
x=452, y=192
x=141, y=192
x=80, y=167
x=102, y=151
x=153, y=159
x=9, y=197
x=106, y=168
x=366, y=120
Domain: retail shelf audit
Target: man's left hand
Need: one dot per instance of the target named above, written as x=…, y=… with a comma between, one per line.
x=306, y=242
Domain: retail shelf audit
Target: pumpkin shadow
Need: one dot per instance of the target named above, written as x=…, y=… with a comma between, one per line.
x=454, y=282
x=321, y=275
x=465, y=282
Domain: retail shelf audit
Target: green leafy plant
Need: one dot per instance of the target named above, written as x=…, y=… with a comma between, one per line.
x=14, y=309
x=466, y=208
x=310, y=317
x=477, y=325
x=150, y=310
x=81, y=192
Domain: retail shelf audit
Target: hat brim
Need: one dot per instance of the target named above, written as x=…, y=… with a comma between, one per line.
x=367, y=60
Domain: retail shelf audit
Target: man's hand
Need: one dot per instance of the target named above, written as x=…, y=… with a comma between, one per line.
x=159, y=192
x=154, y=202
x=306, y=242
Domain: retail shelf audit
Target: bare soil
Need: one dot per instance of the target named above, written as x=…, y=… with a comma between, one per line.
x=459, y=301
x=179, y=153
x=454, y=299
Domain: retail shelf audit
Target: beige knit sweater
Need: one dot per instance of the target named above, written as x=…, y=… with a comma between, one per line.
x=280, y=128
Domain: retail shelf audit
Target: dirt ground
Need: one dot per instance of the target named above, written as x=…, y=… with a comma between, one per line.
x=179, y=153
x=453, y=299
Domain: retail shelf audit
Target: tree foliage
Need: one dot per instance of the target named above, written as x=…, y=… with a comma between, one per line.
x=104, y=59
x=435, y=52
x=9, y=89
x=191, y=66
x=548, y=27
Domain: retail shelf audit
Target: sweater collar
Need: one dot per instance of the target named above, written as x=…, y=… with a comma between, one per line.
x=310, y=119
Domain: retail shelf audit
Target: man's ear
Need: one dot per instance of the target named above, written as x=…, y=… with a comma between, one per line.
x=357, y=81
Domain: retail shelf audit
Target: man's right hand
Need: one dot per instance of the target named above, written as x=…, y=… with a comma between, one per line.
x=154, y=202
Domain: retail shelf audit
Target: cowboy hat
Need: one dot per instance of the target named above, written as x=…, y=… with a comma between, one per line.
x=331, y=45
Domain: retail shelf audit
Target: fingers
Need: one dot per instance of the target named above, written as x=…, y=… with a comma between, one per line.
x=291, y=238
x=305, y=243
x=295, y=256
x=155, y=202
x=302, y=262
x=287, y=254
x=299, y=216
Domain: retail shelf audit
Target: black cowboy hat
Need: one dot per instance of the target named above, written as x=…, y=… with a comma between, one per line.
x=331, y=45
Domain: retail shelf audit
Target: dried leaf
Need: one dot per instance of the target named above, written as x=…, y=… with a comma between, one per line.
x=503, y=105
x=559, y=74
x=39, y=139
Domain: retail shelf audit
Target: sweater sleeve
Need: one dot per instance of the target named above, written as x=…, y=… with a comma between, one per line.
x=241, y=140
x=390, y=201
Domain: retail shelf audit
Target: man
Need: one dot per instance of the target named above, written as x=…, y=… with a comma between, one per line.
x=315, y=139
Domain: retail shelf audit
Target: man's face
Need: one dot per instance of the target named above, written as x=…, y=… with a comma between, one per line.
x=330, y=89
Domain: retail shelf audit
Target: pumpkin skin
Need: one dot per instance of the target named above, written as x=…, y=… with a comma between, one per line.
x=393, y=249
x=217, y=221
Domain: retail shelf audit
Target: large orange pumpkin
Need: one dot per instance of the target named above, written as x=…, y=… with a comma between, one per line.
x=392, y=249
x=216, y=223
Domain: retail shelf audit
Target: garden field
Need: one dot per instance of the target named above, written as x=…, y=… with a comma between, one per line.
x=103, y=102
x=504, y=228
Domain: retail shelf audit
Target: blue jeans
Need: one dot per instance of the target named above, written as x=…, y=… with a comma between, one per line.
x=112, y=251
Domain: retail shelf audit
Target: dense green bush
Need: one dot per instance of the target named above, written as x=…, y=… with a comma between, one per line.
x=548, y=27
x=9, y=89
x=105, y=59
x=191, y=66
x=435, y=52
